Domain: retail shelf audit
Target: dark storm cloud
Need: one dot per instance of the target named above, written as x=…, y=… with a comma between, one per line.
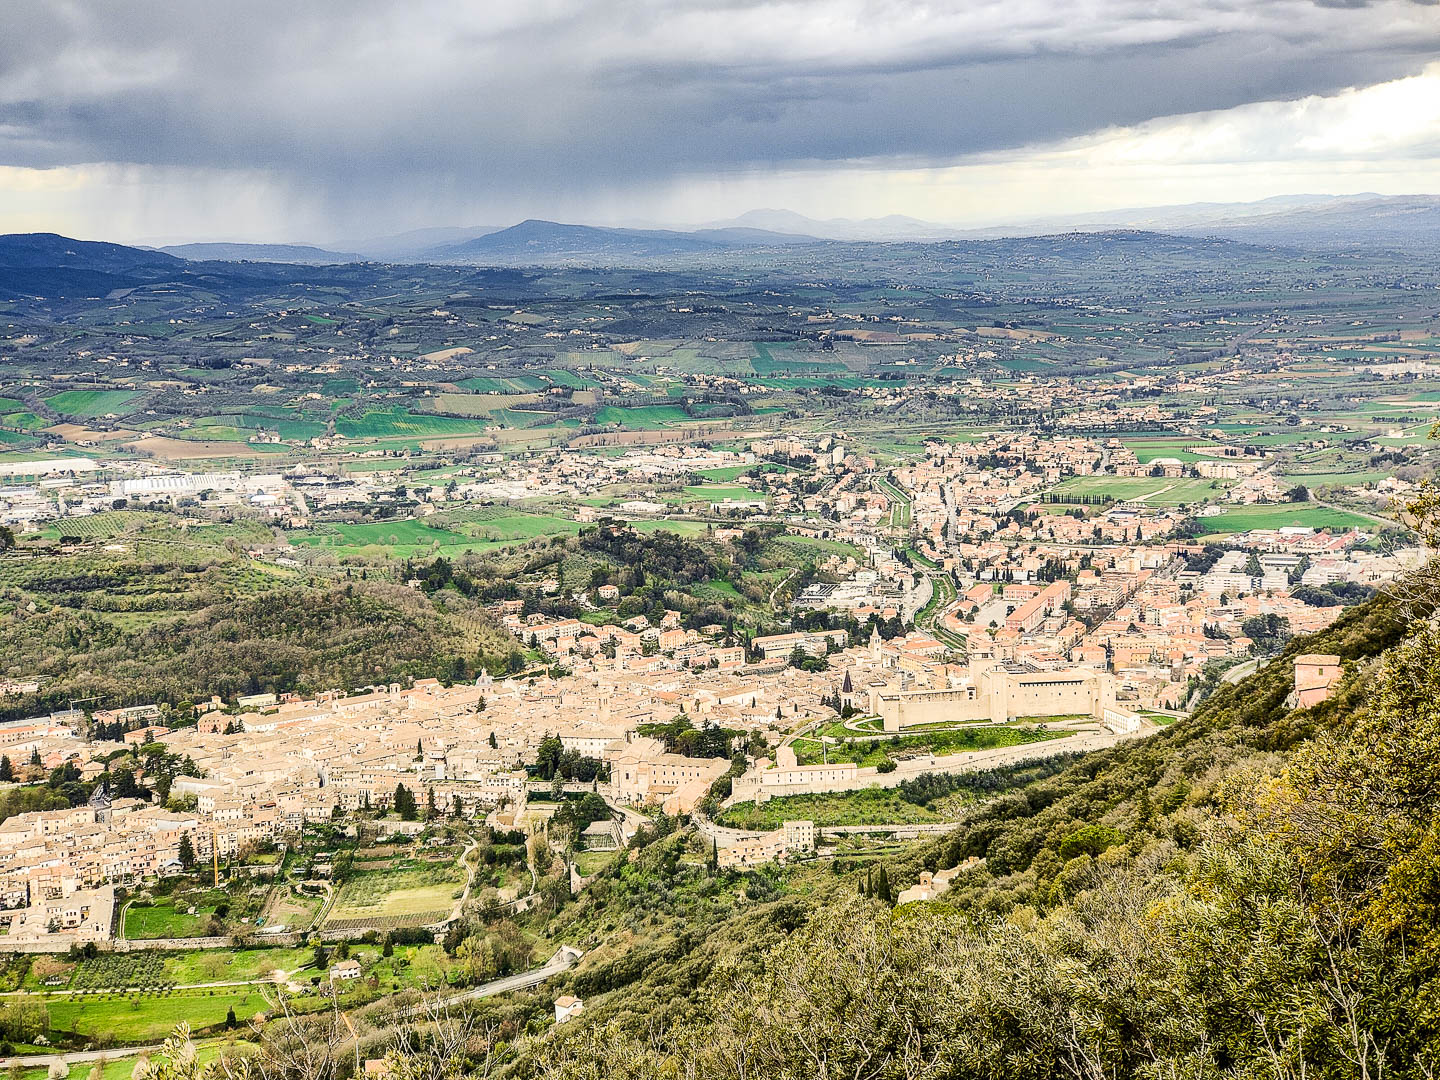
x=367, y=100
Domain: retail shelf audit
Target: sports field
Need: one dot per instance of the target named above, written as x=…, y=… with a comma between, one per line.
x=1153, y=491
x=1235, y=519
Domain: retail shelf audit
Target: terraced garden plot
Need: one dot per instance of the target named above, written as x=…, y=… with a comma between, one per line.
x=386, y=899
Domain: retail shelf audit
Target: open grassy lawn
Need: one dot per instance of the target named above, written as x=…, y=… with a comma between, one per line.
x=23, y=419
x=400, y=538
x=90, y=402
x=1235, y=519
x=592, y=862
x=869, y=806
x=734, y=472
x=225, y=965
x=164, y=921
x=720, y=492
x=1319, y=479
x=143, y=1018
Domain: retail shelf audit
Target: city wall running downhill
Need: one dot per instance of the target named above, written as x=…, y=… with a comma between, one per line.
x=1130, y=726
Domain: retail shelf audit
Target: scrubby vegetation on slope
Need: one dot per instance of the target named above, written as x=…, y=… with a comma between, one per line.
x=1250, y=893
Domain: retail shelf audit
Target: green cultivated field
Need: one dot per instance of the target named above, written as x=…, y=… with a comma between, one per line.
x=406, y=536
x=1147, y=450
x=509, y=384
x=290, y=424
x=397, y=423
x=90, y=402
x=641, y=418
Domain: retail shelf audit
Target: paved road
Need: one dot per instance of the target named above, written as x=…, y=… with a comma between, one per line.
x=1242, y=671
x=562, y=961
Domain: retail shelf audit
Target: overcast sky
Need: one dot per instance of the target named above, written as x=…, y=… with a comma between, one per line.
x=333, y=120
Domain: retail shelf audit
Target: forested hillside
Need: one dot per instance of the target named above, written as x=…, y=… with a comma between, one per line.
x=167, y=626
x=1252, y=892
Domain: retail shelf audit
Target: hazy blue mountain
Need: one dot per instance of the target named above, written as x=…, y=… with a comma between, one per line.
x=535, y=240
x=1400, y=222
x=410, y=245
x=893, y=227
x=1309, y=221
x=51, y=266
x=305, y=254
x=49, y=251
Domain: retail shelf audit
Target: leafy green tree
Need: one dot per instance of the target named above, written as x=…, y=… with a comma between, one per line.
x=1089, y=840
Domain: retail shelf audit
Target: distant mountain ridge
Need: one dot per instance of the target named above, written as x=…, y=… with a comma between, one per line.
x=1365, y=220
x=49, y=265
x=303, y=254
x=410, y=245
x=539, y=239
x=33, y=251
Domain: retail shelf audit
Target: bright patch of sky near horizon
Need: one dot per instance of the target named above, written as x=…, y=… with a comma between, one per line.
x=165, y=121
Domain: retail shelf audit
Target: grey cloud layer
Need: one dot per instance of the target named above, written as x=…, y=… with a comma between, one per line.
x=363, y=97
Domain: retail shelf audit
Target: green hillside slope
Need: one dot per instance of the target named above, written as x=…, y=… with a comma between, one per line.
x=1252, y=892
